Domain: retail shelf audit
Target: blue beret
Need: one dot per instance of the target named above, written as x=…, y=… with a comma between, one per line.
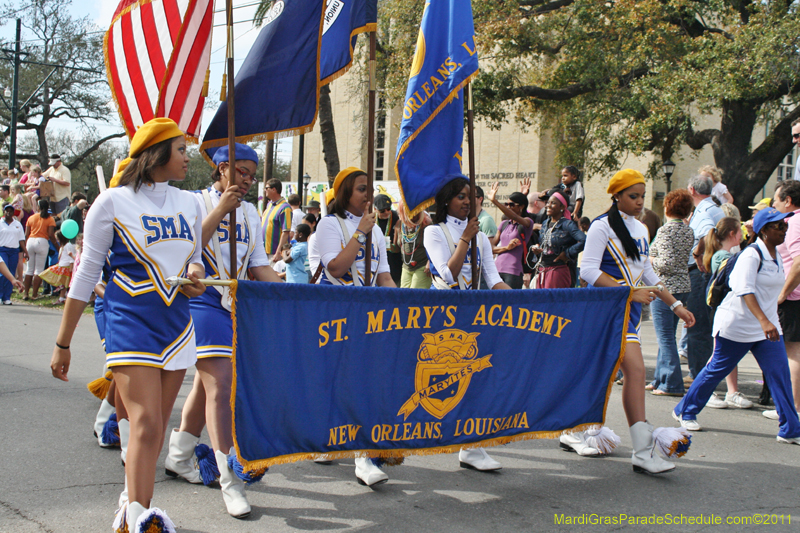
x=243, y=153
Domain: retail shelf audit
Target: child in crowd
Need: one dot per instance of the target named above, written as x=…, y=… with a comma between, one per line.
x=569, y=178
x=32, y=185
x=280, y=266
x=60, y=275
x=584, y=224
x=297, y=257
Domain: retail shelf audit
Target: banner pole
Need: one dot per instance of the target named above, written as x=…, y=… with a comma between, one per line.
x=370, y=154
x=300, y=164
x=231, y=140
x=476, y=283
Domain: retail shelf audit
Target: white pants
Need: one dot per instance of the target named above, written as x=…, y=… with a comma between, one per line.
x=38, y=249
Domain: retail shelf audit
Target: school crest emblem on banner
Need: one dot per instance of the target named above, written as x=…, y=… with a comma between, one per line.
x=446, y=362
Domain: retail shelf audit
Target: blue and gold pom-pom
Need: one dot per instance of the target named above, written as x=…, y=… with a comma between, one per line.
x=110, y=433
x=672, y=442
x=248, y=477
x=154, y=521
x=206, y=463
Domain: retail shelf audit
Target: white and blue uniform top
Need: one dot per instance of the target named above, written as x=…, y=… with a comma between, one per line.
x=330, y=242
x=212, y=320
x=438, y=250
x=152, y=234
x=604, y=254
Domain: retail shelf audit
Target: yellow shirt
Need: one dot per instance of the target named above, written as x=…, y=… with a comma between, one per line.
x=62, y=173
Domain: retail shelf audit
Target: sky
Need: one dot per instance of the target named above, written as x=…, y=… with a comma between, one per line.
x=101, y=11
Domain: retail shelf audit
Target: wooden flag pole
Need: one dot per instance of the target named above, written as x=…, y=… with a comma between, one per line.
x=370, y=154
x=476, y=283
x=231, y=141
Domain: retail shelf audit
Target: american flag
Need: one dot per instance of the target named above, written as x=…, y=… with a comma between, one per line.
x=157, y=54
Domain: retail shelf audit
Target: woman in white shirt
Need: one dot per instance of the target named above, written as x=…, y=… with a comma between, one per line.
x=747, y=321
x=340, y=243
x=616, y=253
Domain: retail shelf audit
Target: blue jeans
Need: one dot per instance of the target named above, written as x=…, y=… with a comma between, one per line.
x=771, y=357
x=11, y=258
x=668, y=377
x=700, y=343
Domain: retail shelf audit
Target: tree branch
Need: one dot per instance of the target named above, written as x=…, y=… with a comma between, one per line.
x=697, y=139
x=576, y=89
x=78, y=160
x=543, y=7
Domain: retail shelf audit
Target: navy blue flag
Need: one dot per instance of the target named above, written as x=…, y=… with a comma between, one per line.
x=344, y=20
x=394, y=373
x=277, y=87
x=432, y=130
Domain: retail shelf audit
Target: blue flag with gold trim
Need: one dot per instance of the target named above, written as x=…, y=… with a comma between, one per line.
x=276, y=89
x=432, y=129
x=391, y=372
x=344, y=20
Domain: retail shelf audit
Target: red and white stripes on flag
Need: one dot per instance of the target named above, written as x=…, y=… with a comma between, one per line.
x=157, y=53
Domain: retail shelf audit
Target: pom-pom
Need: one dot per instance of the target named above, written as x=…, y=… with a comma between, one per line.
x=603, y=440
x=120, y=524
x=110, y=433
x=672, y=442
x=154, y=520
x=206, y=463
x=100, y=386
x=248, y=477
x=380, y=462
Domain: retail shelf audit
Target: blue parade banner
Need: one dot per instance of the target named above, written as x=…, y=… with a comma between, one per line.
x=277, y=87
x=432, y=129
x=343, y=372
x=344, y=20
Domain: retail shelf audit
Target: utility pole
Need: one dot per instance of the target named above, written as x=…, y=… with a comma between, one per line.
x=12, y=149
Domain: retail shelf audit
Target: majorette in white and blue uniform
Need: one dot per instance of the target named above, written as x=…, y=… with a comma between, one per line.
x=332, y=236
x=440, y=249
x=152, y=234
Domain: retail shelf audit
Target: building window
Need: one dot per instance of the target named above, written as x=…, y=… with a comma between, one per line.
x=380, y=140
x=786, y=168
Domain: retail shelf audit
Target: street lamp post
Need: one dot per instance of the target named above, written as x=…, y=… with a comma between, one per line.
x=306, y=182
x=669, y=168
x=86, y=191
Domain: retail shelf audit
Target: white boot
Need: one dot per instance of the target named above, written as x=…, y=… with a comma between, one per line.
x=644, y=458
x=124, y=436
x=477, y=459
x=232, y=487
x=576, y=442
x=368, y=474
x=103, y=414
x=123, y=496
x=127, y=515
x=181, y=460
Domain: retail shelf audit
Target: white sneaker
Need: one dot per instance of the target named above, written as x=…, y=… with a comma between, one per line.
x=789, y=440
x=368, y=474
x=772, y=414
x=715, y=403
x=477, y=459
x=738, y=400
x=690, y=425
x=6, y=302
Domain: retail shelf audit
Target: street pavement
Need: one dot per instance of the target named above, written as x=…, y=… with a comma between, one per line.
x=54, y=477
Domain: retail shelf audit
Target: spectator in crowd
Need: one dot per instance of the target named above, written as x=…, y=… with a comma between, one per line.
x=537, y=212
x=720, y=191
x=4, y=177
x=485, y=220
x=276, y=222
x=296, y=257
x=721, y=243
x=25, y=167
x=294, y=202
x=389, y=223
x=59, y=275
x=9, y=276
x=416, y=273
x=40, y=230
x=560, y=242
x=60, y=175
x=75, y=210
x=651, y=221
x=12, y=240
x=510, y=243
x=314, y=209
x=585, y=223
x=311, y=221
x=17, y=199
x=280, y=266
x=705, y=217
x=747, y=320
x=570, y=176
x=787, y=200
x=5, y=194
x=795, y=140
x=32, y=186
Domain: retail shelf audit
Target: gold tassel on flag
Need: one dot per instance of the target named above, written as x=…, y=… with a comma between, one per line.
x=223, y=93
x=205, y=83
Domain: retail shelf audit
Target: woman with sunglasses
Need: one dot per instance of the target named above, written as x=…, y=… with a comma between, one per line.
x=747, y=321
x=560, y=242
x=340, y=245
x=209, y=402
x=616, y=253
x=511, y=242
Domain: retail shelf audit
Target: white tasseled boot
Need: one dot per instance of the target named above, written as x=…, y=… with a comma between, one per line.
x=477, y=459
x=123, y=496
x=232, y=487
x=181, y=460
x=368, y=474
x=127, y=515
x=124, y=435
x=103, y=414
x=644, y=458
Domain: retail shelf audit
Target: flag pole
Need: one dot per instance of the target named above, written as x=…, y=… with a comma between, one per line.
x=476, y=283
x=370, y=155
x=231, y=139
